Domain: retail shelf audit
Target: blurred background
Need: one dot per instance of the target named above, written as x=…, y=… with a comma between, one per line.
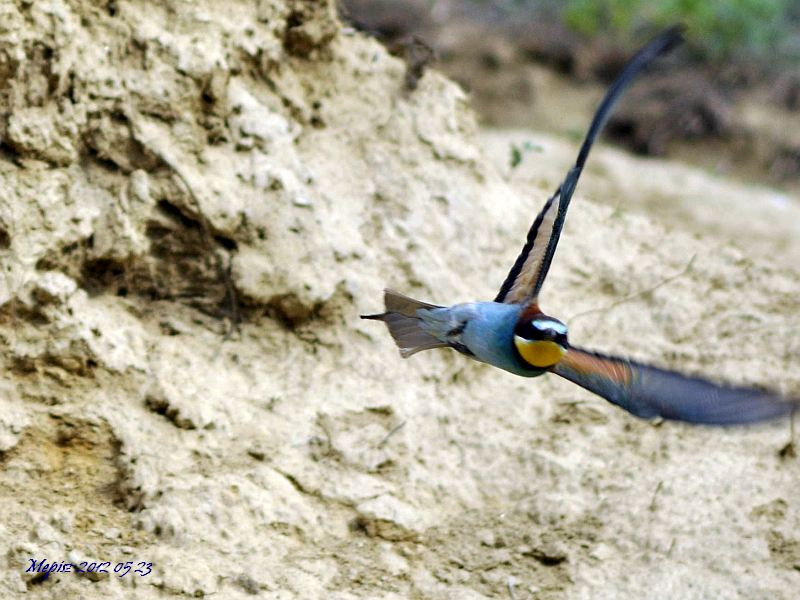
x=728, y=101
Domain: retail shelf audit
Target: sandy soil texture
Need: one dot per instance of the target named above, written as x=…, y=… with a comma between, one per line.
x=197, y=200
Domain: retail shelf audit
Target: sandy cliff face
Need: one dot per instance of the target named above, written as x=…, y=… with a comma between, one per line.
x=196, y=202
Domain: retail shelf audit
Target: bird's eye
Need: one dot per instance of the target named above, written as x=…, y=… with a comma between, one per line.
x=548, y=329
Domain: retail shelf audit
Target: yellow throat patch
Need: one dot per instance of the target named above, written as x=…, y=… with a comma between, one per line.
x=539, y=353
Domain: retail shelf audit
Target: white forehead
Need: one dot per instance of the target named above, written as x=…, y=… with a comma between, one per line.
x=543, y=324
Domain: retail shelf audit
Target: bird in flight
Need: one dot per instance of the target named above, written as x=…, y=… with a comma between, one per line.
x=512, y=332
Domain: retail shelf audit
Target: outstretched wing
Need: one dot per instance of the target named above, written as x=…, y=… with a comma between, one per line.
x=649, y=392
x=526, y=277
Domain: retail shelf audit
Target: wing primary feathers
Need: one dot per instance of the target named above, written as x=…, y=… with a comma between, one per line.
x=526, y=277
x=649, y=392
x=663, y=43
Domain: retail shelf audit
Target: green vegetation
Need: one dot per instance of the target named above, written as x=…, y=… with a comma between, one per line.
x=518, y=152
x=718, y=28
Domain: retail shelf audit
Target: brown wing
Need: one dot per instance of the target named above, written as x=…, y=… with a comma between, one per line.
x=526, y=277
x=649, y=392
x=520, y=285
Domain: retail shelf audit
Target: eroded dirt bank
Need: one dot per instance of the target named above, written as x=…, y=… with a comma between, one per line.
x=168, y=172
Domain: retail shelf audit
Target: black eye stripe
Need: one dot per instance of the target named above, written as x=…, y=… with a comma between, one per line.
x=542, y=329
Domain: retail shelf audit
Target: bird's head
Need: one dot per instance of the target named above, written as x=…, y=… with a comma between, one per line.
x=541, y=341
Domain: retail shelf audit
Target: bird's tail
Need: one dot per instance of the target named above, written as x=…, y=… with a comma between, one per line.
x=403, y=322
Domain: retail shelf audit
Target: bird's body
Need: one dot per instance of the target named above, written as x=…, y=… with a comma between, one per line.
x=481, y=330
x=513, y=334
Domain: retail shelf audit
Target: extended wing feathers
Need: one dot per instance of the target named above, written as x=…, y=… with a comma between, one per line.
x=649, y=392
x=526, y=277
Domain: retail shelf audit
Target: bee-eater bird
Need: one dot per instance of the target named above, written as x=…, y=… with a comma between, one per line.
x=512, y=333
